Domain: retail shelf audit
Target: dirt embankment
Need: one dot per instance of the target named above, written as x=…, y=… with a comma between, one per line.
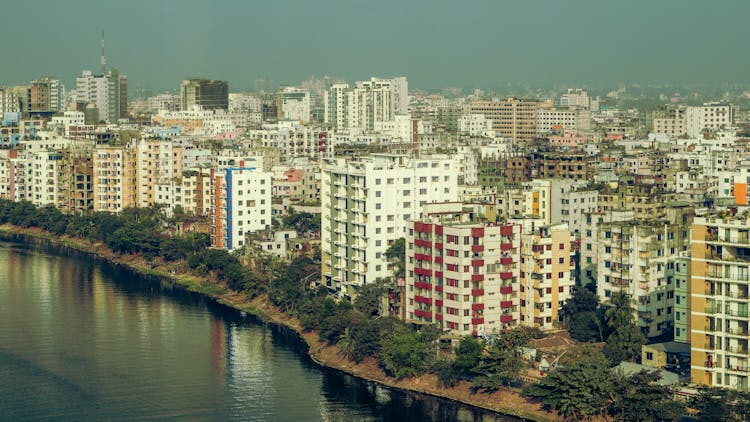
x=504, y=401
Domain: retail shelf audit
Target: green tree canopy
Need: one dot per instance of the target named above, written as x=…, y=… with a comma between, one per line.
x=582, y=389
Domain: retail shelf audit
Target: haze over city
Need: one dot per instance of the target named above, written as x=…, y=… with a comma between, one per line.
x=382, y=210
x=483, y=44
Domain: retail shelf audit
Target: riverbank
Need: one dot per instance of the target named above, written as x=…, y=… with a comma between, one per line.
x=504, y=402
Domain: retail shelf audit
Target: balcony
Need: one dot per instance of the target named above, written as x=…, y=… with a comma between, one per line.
x=477, y=262
x=506, y=318
x=506, y=231
x=438, y=302
x=506, y=289
x=742, y=350
x=423, y=299
x=477, y=277
x=438, y=259
x=438, y=274
x=422, y=243
x=438, y=245
x=477, y=292
x=477, y=248
x=711, y=364
x=506, y=304
x=423, y=271
x=422, y=285
x=741, y=332
x=737, y=313
x=423, y=314
x=506, y=246
x=506, y=275
x=477, y=321
x=506, y=260
x=422, y=257
x=477, y=306
x=438, y=317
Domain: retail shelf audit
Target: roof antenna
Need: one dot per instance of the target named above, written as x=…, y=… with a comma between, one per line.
x=104, y=60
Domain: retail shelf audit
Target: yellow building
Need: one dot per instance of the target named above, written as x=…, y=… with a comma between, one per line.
x=718, y=292
x=546, y=279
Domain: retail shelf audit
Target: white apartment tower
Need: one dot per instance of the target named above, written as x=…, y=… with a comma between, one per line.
x=365, y=205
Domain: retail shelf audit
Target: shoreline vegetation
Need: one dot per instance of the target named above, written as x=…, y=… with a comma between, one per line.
x=503, y=401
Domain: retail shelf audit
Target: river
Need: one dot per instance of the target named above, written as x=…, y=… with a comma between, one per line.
x=84, y=340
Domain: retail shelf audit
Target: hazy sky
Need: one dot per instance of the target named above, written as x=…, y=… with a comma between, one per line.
x=434, y=43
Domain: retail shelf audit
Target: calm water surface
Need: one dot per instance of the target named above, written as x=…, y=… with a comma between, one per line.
x=83, y=340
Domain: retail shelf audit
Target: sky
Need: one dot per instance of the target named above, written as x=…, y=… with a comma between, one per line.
x=434, y=43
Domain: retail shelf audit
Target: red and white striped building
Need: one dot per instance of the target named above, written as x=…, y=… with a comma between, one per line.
x=461, y=274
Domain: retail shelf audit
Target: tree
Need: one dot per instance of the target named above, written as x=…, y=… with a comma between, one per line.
x=403, y=353
x=713, y=405
x=303, y=222
x=582, y=300
x=396, y=254
x=500, y=367
x=468, y=354
x=581, y=389
x=446, y=372
x=585, y=326
x=581, y=312
x=640, y=398
x=368, y=298
x=619, y=312
x=624, y=344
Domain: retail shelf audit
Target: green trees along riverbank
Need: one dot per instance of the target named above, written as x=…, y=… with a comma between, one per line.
x=583, y=386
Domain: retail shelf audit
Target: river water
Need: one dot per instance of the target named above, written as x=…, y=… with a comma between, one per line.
x=84, y=340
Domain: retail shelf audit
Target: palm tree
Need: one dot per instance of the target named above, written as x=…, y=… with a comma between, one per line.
x=619, y=313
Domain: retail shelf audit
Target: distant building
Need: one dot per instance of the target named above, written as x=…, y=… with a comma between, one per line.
x=512, y=118
x=209, y=94
x=45, y=97
x=293, y=104
x=107, y=92
x=575, y=98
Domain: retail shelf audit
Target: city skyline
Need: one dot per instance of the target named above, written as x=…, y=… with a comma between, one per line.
x=482, y=44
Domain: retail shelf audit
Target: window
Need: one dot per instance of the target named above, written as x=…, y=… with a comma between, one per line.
x=649, y=356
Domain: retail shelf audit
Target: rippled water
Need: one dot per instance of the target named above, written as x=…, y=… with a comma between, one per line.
x=83, y=340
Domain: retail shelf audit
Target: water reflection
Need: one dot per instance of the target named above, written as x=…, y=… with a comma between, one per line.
x=81, y=340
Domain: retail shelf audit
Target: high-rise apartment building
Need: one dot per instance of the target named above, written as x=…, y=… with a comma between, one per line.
x=336, y=105
x=546, y=273
x=718, y=302
x=368, y=104
x=115, y=177
x=365, y=205
x=158, y=161
x=240, y=202
x=45, y=97
x=9, y=101
x=462, y=272
x=512, y=118
x=575, y=98
x=209, y=94
x=293, y=104
x=108, y=92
